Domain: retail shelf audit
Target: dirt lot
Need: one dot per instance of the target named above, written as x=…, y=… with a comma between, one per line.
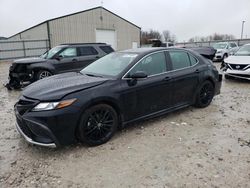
x=189, y=148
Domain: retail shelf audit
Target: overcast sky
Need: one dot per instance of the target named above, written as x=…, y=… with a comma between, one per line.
x=184, y=18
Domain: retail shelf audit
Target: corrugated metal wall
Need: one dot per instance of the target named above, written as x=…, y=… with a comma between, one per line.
x=81, y=28
x=35, y=33
x=22, y=48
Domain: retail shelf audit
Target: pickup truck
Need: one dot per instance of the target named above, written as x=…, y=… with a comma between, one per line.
x=224, y=49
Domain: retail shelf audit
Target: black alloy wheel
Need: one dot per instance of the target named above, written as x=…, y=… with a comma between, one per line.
x=98, y=125
x=205, y=94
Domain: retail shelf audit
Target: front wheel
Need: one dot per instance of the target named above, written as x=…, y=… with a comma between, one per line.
x=98, y=124
x=43, y=74
x=204, y=95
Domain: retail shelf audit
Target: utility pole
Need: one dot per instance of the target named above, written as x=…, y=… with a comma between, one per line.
x=242, y=28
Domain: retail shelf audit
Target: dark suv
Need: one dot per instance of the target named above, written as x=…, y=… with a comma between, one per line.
x=60, y=59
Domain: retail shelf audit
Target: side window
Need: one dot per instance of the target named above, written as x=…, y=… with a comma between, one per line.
x=106, y=49
x=232, y=45
x=68, y=52
x=193, y=60
x=152, y=64
x=87, y=50
x=179, y=59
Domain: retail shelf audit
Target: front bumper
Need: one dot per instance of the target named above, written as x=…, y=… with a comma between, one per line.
x=52, y=128
x=29, y=140
x=242, y=74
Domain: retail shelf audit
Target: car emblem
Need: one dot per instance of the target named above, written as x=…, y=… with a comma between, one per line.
x=237, y=67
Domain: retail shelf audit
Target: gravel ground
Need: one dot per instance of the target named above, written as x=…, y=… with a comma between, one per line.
x=189, y=148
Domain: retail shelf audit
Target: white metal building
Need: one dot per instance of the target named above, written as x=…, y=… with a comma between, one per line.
x=92, y=25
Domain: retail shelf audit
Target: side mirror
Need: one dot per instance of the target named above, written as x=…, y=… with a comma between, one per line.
x=138, y=75
x=58, y=57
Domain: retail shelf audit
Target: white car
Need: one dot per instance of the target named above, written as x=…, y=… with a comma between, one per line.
x=238, y=65
x=224, y=49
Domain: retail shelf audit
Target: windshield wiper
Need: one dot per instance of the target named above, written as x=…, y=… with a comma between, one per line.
x=92, y=75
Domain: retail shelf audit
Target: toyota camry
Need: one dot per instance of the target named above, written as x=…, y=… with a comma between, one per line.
x=118, y=89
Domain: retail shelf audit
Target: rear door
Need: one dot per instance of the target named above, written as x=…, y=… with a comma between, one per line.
x=185, y=74
x=87, y=54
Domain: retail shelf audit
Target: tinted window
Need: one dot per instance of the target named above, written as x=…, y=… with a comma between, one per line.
x=68, y=52
x=193, y=60
x=106, y=49
x=87, y=50
x=232, y=45
x=152, y=64
x=179, y=59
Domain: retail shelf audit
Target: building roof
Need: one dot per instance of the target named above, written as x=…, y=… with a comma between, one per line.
x=74, y=14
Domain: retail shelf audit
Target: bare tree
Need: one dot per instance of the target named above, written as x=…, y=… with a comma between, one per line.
x=168, y=37
x=147, y=35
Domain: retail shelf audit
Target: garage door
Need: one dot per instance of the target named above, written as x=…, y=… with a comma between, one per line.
x=106, y=36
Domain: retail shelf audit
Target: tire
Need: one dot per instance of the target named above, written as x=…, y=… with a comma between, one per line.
x=98, y=124
x=43, y=74
x=227, y=77
x=204, y=95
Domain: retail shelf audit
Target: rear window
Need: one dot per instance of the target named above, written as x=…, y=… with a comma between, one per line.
x=106, y=49
x=87, y=50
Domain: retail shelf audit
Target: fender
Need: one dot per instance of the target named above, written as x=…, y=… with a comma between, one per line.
x=40, y=66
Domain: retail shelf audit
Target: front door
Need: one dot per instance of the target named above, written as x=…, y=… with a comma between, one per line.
x=68, y=60
x=149, y=95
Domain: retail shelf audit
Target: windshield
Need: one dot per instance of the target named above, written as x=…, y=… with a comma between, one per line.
x=110, y=65
x=243, y=51
x=220, y=45
x=49, y=54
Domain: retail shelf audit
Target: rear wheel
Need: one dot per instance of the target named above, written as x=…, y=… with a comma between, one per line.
x=205, y=94
x=98, y=124
x=43, y=74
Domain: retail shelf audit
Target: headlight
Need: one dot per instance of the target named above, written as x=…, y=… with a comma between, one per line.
x=53, y=105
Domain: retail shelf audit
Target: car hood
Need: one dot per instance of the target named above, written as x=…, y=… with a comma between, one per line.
x=220, y=49
x=240, y=60
x=56, y=87
x=30, y=60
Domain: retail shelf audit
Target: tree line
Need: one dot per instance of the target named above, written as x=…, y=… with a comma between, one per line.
x=167, y=36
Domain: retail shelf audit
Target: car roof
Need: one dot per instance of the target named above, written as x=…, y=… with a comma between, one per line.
x=142, y=51
x=82, y=44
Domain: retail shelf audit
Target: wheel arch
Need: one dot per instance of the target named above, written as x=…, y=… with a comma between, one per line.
x=108, y=101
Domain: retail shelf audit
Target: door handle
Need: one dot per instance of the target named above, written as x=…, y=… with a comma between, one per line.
x=167, y=78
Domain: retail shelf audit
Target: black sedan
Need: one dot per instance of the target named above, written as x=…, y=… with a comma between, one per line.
x=118, y=89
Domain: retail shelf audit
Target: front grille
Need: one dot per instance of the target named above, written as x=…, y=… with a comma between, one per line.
x=23, y=105
x=237, y=67
x=24, y=128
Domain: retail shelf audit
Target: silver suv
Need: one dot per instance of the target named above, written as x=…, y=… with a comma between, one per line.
x=224, y=49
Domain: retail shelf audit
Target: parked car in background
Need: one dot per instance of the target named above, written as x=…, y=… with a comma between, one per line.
x=60, y=59
x=224, y=49
x=118, y=89
x=238, y=65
